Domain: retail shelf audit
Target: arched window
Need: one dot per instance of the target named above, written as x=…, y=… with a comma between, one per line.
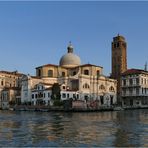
x=50, y=73
x=86, y=72
x=86, y=86
x=111, y=89
x=74, y=73
x=63, y=74
x=98, y=73
x=102, y=87
x=2, y=83
x=42, y=87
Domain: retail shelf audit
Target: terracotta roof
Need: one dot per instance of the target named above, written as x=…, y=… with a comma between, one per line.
x=35, y=77
x=12, y=73
x=134, y=71
x=47, y=65
x=12, y=88
x=89, y=65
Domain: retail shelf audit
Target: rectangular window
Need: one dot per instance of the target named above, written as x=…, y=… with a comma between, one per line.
x=63, y=74
x=74, y=73
x=124, y=82
x=131, y=81
x=63, y=95
x=124, y=92
x=142, y=90
x=74, y=96
x=39, y=72
x=102, y=100
x=130, y=91
x=32, y=96
x=50, y=73
x=137, y=81
x=67, y=95
x=98, y=73
x=134, y=81
x=141, y=80
x=145, y=90
x=86, y=72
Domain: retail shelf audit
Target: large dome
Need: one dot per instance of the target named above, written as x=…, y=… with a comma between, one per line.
x=70, y=59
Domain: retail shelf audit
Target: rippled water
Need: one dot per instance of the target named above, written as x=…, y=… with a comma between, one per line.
x=123, y=128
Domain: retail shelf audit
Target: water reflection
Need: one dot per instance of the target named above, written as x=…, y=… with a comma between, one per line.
x=130, y=129
x=124, y=128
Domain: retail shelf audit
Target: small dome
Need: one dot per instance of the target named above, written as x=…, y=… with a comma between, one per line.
x=70, y=59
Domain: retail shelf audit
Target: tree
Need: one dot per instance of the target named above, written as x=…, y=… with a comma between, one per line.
x=56, y=95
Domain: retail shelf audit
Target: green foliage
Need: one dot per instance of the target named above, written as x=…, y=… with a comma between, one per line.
x=56, y=95
x=58, y=103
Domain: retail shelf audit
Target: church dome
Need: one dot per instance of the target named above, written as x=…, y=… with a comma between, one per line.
x=70, y=59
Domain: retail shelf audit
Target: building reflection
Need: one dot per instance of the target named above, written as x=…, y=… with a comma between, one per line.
x=129, y=128
x=83, y=128
x=116, y=129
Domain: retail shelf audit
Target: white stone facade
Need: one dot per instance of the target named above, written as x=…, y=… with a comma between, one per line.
x=28, y=83
x=135, y=88
x=41, y=94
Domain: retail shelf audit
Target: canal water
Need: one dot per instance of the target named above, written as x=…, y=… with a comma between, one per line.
x=108, y=129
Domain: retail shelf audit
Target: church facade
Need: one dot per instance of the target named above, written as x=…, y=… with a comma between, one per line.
x=84, y=82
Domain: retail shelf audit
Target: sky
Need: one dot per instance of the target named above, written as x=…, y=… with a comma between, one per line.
x=37, y=33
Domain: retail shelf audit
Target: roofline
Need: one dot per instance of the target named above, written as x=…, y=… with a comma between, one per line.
x=90, y=65
x=11, y=72
x=53, y=65
x=138, y=71
x=35, y=77
x=46, y=65
x=11, y=88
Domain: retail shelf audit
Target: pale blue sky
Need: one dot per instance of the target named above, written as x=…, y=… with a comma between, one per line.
x=37, y=33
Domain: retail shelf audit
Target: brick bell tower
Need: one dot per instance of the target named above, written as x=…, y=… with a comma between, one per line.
x=119, y=61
